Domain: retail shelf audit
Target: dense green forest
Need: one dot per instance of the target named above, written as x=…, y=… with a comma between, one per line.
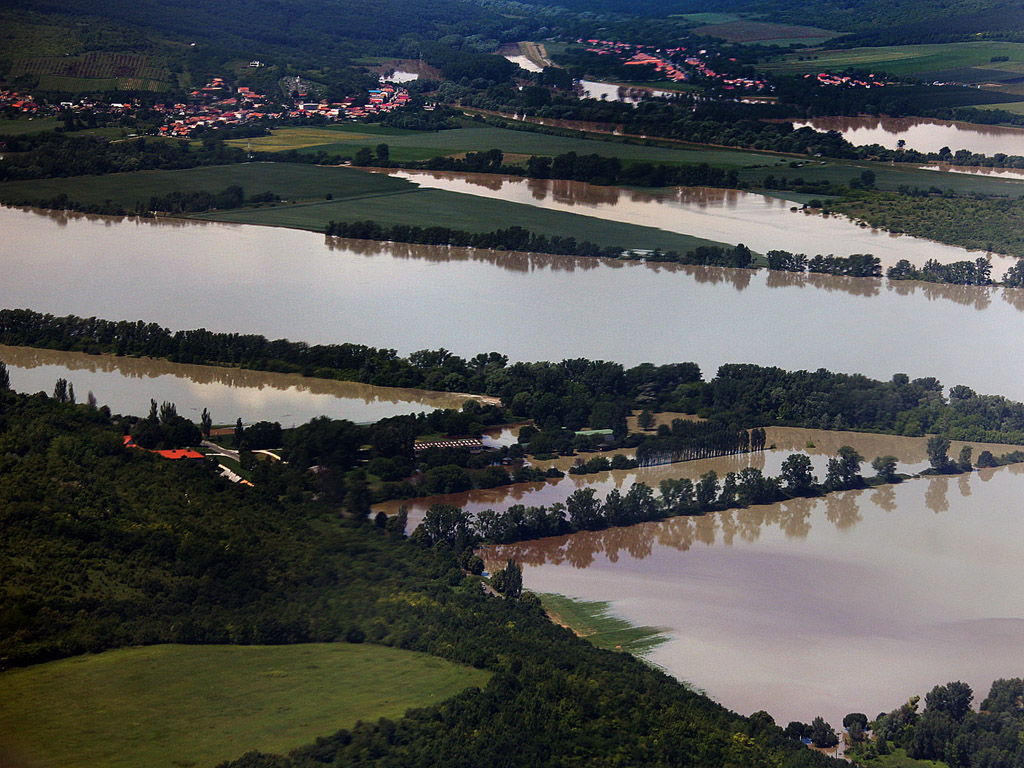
x=571, y=393
x=106, y=547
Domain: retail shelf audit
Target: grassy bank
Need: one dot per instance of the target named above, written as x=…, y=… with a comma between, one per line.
x=432, y=207
x=172, y=705
x=593, y=621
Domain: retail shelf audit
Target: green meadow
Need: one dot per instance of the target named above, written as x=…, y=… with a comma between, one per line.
x=291, y=181
x=172, y=706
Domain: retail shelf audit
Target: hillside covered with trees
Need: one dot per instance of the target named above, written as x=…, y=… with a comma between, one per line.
x=106, y=547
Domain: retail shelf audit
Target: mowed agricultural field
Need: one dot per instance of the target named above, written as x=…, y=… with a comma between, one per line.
x=473, y=137
x=440, y=208
x=291, y=181
x=904, y=59
x=171, y=705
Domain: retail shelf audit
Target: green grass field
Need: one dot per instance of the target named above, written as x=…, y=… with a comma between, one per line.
x=289, y=180
x=172, y=706
x=903, y=59
x=475, y=138
x=431, y=207
x=593, y=621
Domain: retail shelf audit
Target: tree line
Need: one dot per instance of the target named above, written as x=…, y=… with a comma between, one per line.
x=570, y=394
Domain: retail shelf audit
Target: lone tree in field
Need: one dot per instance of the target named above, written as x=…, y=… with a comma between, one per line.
x=645, y=420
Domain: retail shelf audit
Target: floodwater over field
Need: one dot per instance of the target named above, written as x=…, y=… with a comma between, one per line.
x=624, y=93
x=760, y=222
x=922, y=134
x=977, y=170
x=849, y=603
x=127, y=384
x=819, y=445
x=293, y=284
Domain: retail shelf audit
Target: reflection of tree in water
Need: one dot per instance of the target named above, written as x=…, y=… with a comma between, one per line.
x=511, y=261
x=964, y=484
x=841, y=509
x=1014, y=297
x=237, y=378
x=794, y=517
x=935, y=496
x=737, y=278
x=884, y=497
x=681, y=533
x=855, y=286
x=965, y=295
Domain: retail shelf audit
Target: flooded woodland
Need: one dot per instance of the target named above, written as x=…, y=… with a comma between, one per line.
x=291, y=284
x=922, y=134
x=849, y=602
x=760, y=222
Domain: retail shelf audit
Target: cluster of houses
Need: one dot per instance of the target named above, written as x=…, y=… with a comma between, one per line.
x=23, y=103
x=218, y=104
x=386, y=98
x=825, y=78
x=673, y=64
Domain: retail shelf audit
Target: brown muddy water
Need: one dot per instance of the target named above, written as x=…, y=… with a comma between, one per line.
x=758, y=221
x=853, y=602
x=292, y=284
x=818, y=444
x=922, y=134
x=127, y=384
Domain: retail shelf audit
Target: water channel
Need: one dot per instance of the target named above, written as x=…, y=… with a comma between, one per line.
x=922, y=134
x=761, y=222
x=292, y=284
x=127, y=384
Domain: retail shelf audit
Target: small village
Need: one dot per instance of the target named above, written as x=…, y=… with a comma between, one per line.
x=674, y=64
x=218, y=104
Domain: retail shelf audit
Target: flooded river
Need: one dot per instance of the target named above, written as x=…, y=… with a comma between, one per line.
x=126, y=384
x=292, y=284
x=819, y=445
x=851, y=603
x=922, y=134
x=760, y=222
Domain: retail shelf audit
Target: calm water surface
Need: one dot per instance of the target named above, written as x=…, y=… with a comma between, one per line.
x=761, y=222
x=292, y=284
x=854, y=602
x=126, y=384
x=851, y=603
x=922, y=134
x=819, y=445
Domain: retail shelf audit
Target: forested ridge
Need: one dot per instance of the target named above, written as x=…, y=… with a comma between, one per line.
x=106, y=547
